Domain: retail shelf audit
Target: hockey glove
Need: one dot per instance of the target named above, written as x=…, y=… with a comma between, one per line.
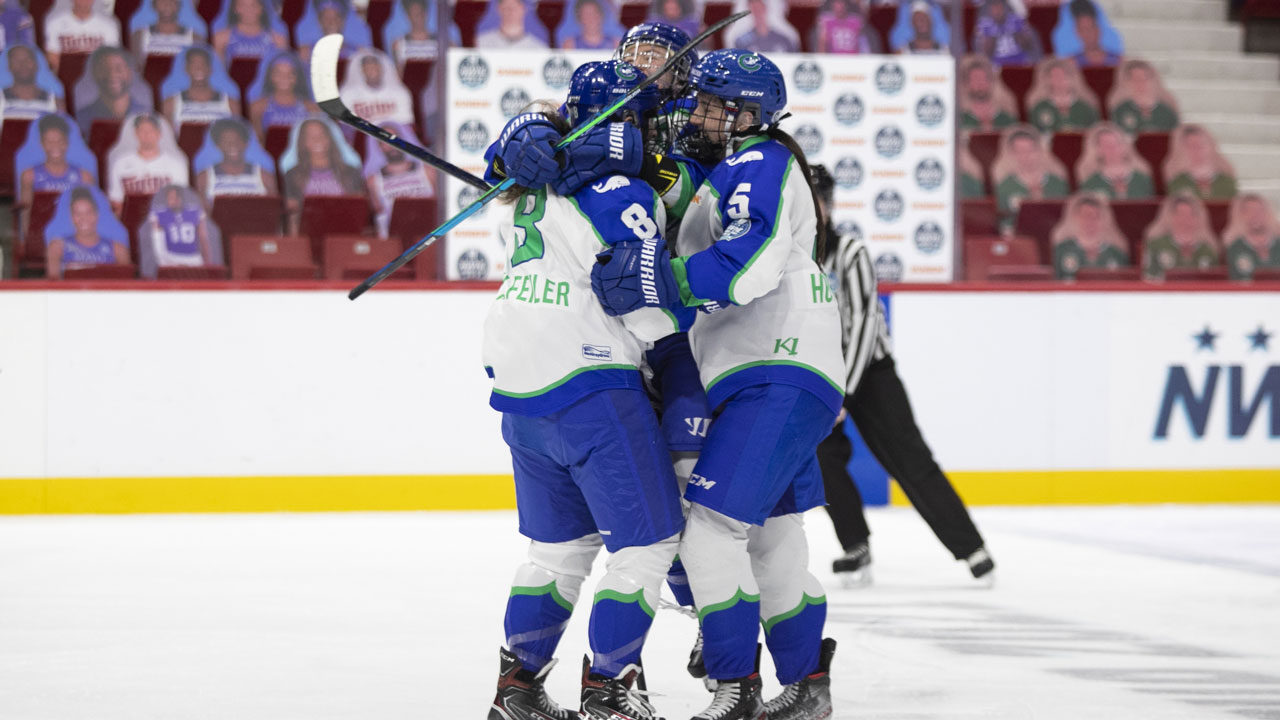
x=528, y=150
x=635, y=274
x=608, y=149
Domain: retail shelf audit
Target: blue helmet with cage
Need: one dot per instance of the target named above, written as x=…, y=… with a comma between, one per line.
x=744, y=81
x=649, y=45
x=597, y=85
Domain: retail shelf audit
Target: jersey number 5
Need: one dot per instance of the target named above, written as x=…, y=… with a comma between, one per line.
x=737, y=206
x=528, y=238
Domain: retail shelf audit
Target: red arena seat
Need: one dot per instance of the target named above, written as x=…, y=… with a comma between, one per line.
x=208, y=272
x=1067, y=147
x=1018, y=79
x=1043, y=18
x=70, y=68
x=550, y=13
x=1219, y=214
x=133, y=214
x=1154, y=148
x=1036, y=219
x=985, y=146
x=247, y=214
x=634, y=13
x=29, y=251
x=277, y=140
x=12, y=134
x=356, y=257
x=101, y=272
x=102, y=135
x=1100, y=80
x=271, y=257
x=1133, y=217
x=466, y=15
x=333, y=214
x=714, y=12
x=191, y=137
x=979, y=216
x=377, y=14
x=803, y=18
x=1020, y=273
x=881, y=18
x=983, y=253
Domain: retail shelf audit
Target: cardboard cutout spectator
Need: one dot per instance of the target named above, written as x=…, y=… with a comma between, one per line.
x=1025, y=170
x=54, y=158
x=1003, y=34
x=1087, y=237
x=373, y=89
x=110, y=89
x=318, y=162
x=84, y=233
x=1139, y=102
x=429, y=101
x=391, y=174
x=30, y=89
x=1180, y=237
x=248, y=29
x=921, y=28
x=766, y=31
x=972, y=184
x=79, y=26
x=16, y=24
x=1252, y=237
x=231, y=162
x=410, y=32
x=280, y=95
x=198, y=89
x=684, y=14
x=842, y=28
x=1196, y=164
x=1109, y=165
x=325, y=17
x=1085, y=35
x=511, y=24
x=177, y=233
x=166, y=28
x=1059, y=99
x=144, y=159
x=985, y=103
x=590, y=25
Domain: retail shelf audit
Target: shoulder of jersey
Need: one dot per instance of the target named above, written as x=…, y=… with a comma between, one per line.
x=612, y=190
x=764, y=157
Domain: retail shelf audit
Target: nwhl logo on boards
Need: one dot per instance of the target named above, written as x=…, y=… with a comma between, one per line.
x=809, y=138
x=929, y=174
x=473, y=71
x=849, y=109
x=890, y=78
x=468, y=195
x=890, y=142
x=928, y=237
x=848, y=172
x=889, y=205
x=888, y=268
x=513, y=101
x=931, y=111
x=807, y=77
x=473, y=136
x=473, y=265
x=1219, y=396
x=849, y=229
x=557, y=71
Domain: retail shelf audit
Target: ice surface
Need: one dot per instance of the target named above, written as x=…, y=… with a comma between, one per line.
x=1100, y=613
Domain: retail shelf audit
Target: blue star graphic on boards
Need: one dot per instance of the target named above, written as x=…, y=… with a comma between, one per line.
x=1259, y=338
x=1205, y=339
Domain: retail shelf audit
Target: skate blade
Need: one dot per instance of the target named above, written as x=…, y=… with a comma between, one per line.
x=987, y=581
x=856, y=579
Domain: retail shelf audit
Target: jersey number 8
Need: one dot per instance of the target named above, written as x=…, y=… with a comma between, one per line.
x=528, y=238
x=637, y=218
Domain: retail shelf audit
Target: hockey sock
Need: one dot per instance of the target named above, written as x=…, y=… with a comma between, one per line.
x=793, y=605
x=678, y=581
x=624, y=604
x=542, y=597
x=714, y=550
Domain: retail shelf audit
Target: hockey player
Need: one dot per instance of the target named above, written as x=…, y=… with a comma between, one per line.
x=768, y=350
x=877, y=401
x=591, y=466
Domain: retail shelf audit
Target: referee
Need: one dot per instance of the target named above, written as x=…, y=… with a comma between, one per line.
x=877, y=402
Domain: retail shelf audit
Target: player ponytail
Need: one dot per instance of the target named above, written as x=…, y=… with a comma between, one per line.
x=776, y=133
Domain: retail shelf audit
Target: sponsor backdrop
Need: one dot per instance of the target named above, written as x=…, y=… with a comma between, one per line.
x=1024, y=397
x=883, y=125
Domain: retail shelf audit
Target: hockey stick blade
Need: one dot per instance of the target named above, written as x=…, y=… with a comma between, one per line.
x=324, y=75
x=496, y=190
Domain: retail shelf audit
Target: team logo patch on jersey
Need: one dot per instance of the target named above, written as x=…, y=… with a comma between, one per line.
x=928, y=237
x=931, y=111
x=809, y=138
x=929, y=174
x=513, y=101
x=849, y=109
x=611, y=183
x=807, y=77
x=473, y=71
x=597, y=352
x=890, y=142
x=889, y=205
x=849, y=229
x=736, y=229
x=848, y=173
x=473, y=136
x=888, y=268
x=468, y=195
x=745, y=157
x=473, y=265
x=749, y=62
x=890, y=78
x=557, y=72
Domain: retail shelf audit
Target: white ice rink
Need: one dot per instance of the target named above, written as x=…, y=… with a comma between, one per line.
x=1099, y=613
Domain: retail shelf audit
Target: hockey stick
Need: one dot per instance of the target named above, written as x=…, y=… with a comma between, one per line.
x=333, y=44
x=324, y=84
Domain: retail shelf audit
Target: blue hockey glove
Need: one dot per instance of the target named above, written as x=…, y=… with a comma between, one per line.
x=608, y=149
x=528, y=150
x=635, y=274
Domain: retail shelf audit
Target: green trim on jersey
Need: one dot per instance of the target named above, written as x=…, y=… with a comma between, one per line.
x=563, y=380
x=758, y=363
x=548, y=589
x=805, y=601
x=777, y=219
x=739, y=596
x=687, y=298
x=635, y=598
x=589, y=223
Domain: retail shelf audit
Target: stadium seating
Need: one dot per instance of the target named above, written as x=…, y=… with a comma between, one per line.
x=983, y=254
x=101, y=272
x=247, y=214
x=356, y=257
x=1067, y=147
x=271, y=257
x=979, y=216
x=133, y=214
x=209, y=272
x=1036, y=219
x=30, y=247
x=12, y=135
x=333, y=214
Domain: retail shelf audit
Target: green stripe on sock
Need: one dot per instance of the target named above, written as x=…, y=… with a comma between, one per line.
x=738, y=596
x=635, y=597
x=805, y=602
x=548, y=589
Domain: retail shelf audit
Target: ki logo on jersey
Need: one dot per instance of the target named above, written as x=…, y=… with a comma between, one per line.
x=698, y=426
x=696, y=480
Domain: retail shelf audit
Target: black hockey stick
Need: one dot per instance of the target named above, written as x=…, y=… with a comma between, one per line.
x=324, y=83
x=329, y=47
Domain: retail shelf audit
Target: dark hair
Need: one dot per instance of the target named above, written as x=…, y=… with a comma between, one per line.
x=823, y=183
x=233, y=16
x=147, y=118
x=99, y=59
x=197, y=51
x=22, y=46
x=1083, y=8
x=776, y=133
x=226, y=124
x=53, y=122
x=268, y=85
x=82, y=193
x=407, y=3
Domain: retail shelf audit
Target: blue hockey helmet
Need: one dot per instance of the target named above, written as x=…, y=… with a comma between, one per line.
x=597, y=85
x=649, y=45
x=745, y=80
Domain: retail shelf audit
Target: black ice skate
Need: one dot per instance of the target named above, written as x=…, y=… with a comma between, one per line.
x=809, y=699
x=521, y=695
x=854, y=567
x=982, y=566
x=738, y=699
x=620, y=698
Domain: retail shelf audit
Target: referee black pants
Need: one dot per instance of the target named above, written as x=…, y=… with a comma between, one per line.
x=882, y=413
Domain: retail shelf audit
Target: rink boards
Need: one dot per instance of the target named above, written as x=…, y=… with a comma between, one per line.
x=296, y=399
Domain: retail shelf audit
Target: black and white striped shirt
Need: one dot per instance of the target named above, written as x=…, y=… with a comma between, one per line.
x=865, y=332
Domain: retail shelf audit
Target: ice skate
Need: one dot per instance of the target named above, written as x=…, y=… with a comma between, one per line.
x=738, y=699
x=521, y=695
x=809, y=699
x=982, y=566
x=854, y=567
x=620, y=698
